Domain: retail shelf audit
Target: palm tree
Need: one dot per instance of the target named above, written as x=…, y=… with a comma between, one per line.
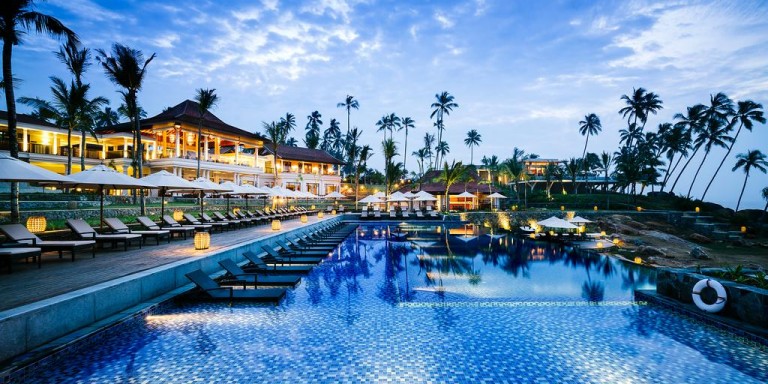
x=421, y=155
x=429, y=142
x=394, y=124
x=349, y=103
x=16, y=19
x=588, y=127
x=383, y=125
x=206, y=99
x=88, y=116
x=389, y=150
x=641, y=104
x=572, y=166
x=407, y=123
x=765, y=197
x=363, y=156
x=442, y=107
x=312, y=138
x=676, y=141
x=473, y=139
x=442, y=149
x=277, y=134
x=107, y=117
x=451, y=175
x=692, y=123
x=605, y=165
x=329, y=135
x=126, y=70
x=747, y=161
x=715, y=134
x=748, y=112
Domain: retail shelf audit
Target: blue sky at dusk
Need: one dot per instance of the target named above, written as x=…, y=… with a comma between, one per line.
x=523, y=72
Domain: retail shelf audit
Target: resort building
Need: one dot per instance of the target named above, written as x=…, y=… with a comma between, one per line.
x=171, y=140
x=474, y=185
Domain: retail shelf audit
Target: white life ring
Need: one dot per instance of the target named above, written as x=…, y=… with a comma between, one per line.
x=722, y=297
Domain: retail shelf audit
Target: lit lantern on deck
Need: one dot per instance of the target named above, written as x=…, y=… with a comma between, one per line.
x=276, y=225
x=202, y=240
x=743, y=229
x=562, y=207
x=36, y=224
x=304, y=219
x=312, y=207
x=599, y=244
x=333, y=212
x=639, y=209
x=698, y=209
x=602, y=233
x=178, y=215
x=236, y=210
x=638, y=260
x=595, y=208
x=320, y=215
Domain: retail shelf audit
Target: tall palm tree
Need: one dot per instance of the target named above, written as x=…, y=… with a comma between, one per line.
x=429, y=144
x=605, y=165
x=329, y=135
x=715, y=134
x=473, y=139
x=277, y=134
x=588, y=127
x=676, y=141
x=692, y=123
x=363, y=156
x=17, y=18
x=639, y=105
x=389, y=150
x=407, y=123
x=88, y=115
x=442, y=149
x=443, y=106
x=747, y=161
x=747, y=114
x=126, y=68
x=451, y=175
x=421, y=155
x=349, y=103
x=206, y=99
x=312, y=138
x=394, y=124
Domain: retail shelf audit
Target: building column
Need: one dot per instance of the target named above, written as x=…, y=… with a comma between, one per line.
x=206, y=147
x=237, y=152
x=125, y=147
x=177, y=146
x=217, y=147
x=55, y=148
x=24, y=140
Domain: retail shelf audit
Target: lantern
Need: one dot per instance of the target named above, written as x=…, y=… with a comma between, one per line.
x=320, y=215
x=638, y=260
x=312, y=207
x=178, y=214
x=698, y=209
x=36, y=224
x=602, y=233
x=236, y=211
x=599, y=244
x=562, y=207
x=304, y=219
x=639, y=209
x=595, y=207
x=202, y=240
x=276, y=225
x=743, y=229
x=333, y=212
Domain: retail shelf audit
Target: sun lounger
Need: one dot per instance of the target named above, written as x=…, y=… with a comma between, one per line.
x=257, y=278
x=86, y=232
x=215, y=291
x=118, y=226
x=169, y=222
x=406, y=214
x=20, y=234
x=7, y=255
x=419, y=214
x=179, y=230
x=302, y=251
x=364, y=214
x=329, y=209
x=217, y=216
x=377, y=213
x=194, y=221
x=209, y=220
x=256, y=263
x=432, y=214
x=275, y=257
x=392, y=213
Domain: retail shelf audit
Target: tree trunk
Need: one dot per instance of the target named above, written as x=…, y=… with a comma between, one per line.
x=69, y=151
x=671, y=190
x=140, y=157
x=696, y=175
x=199, y=135
x=82, y=149
x=584, y=163
x=730, y=147
x=670, y=172
x=405, y=153
x=742, y=192
x=10, y=102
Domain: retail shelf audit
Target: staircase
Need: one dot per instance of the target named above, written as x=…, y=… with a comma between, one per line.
x=704, y=225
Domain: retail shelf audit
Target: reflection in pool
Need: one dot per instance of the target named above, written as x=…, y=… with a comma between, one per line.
x=449, y=304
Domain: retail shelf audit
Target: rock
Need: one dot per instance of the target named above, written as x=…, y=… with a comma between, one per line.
x=628, y=231
x=637, y=242
x=739, y=243
x=636, y=225
x=699, y=238
x=651, y=251
x=698, y=253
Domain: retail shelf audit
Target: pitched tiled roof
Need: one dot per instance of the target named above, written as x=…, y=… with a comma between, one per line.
x=27, y=119
x=186, y=112
x=301, y=154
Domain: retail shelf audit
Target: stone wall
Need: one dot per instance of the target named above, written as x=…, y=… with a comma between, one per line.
x=513, y=220
x=746, y=303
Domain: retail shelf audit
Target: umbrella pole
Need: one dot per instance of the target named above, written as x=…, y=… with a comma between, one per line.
x=101, y=207
x=227, y=202
x=201, y=201
x=162, y=203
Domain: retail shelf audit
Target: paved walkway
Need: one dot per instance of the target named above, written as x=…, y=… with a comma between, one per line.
x=28, y=284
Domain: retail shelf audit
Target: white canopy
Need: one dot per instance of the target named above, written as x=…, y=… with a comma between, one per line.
x=12, y=169
x=496, y=195
x=253, y=190
x=579, y=220
x=372, y=199
x=380, y=195
x=426, y=197
x=334, y=195
x=556, y=222
x=466, y=194
x=209, y=186
x=234, y=188
x=168, y=181
x=409, y=195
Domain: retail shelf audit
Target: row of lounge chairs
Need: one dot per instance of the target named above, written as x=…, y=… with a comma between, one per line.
x=23, y=244
x=267, y=275
x=405, y=213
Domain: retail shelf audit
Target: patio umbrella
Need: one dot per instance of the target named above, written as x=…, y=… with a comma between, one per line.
x=495, y=195
x=556, y=222
x=105, y=178
x=234, y=190
x=166, y=181
x=12, y=169
x=466, y=195
x=206, y=185
x=579, y=220
x=335, y=195
x=252, y=190
x=371, y=200
x=380, y=195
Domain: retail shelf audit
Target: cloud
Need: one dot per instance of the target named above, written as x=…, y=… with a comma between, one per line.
x=368, y=48
x=334, y=8
x=481, y=7
x=443, y=20
x=88, y=10
x=166, y=41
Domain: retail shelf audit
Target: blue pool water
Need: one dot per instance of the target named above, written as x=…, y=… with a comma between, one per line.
x=450, y=305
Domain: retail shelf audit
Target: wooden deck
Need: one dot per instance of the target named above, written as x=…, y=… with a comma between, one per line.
x=28, y=284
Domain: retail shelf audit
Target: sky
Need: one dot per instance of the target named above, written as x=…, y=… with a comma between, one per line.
x=524, y=73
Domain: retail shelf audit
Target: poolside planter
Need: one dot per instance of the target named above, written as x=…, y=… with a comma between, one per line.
x=746, y=303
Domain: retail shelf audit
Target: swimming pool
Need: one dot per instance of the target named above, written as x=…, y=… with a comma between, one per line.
x=450, y=305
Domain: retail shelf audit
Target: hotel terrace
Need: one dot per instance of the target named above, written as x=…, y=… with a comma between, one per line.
x=170, y=140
